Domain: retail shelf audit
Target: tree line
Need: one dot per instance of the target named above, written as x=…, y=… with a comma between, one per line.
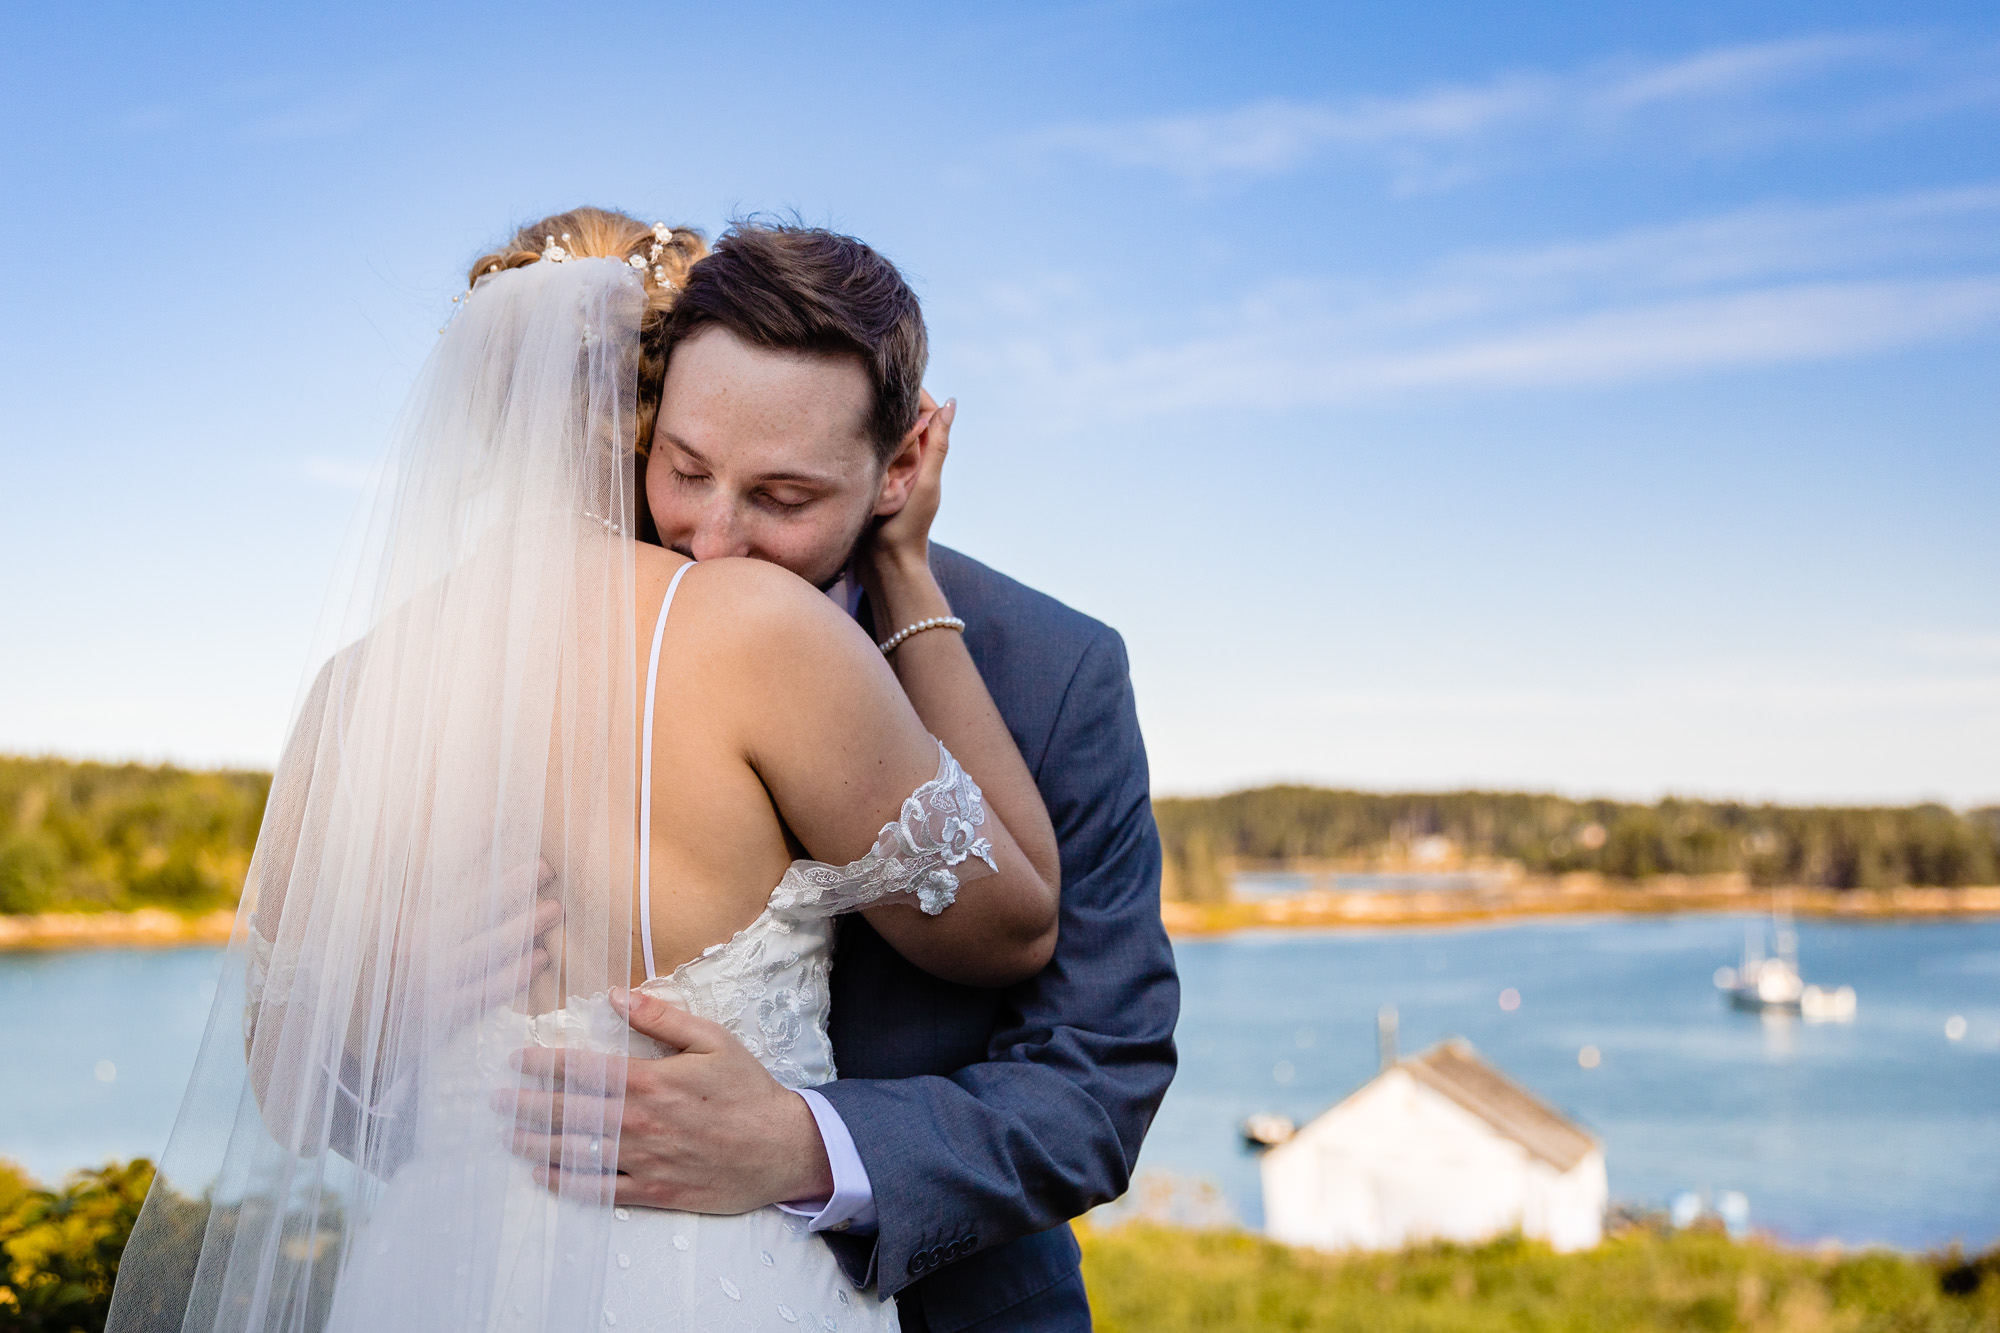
x=93, y=837
x=1825, y=846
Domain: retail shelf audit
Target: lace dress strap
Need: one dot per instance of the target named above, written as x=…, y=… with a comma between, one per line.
x=646, y=776
x=922, y=855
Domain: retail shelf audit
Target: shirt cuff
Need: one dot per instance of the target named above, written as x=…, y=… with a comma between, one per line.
x=852, y=1206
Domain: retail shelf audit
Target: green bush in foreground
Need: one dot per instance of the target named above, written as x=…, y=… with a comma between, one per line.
x=1151, y=1279
x=60, y=1249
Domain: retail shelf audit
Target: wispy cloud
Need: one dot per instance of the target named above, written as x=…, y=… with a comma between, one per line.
x=1274, y=136
x=268, y=110
x=328, y=114
x=340, y=474
x=1733, y=71
x=1957, y=647
x=1785, y=691
x=1763, y=286
x=1437, y=137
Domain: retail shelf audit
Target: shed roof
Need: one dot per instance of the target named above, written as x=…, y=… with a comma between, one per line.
x=1455, y=1071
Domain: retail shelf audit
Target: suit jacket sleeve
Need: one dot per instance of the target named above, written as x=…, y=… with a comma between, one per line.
x=1049, y=1123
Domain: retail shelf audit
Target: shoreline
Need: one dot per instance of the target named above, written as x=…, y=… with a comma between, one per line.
x=1574, y=895
x=1577, y=895
x=146, y=928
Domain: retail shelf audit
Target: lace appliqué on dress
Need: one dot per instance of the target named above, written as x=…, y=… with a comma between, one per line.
x=768, y=984
x=918, y=854
x=266, y=980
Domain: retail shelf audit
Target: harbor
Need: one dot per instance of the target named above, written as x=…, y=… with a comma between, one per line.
x=1875, y=1130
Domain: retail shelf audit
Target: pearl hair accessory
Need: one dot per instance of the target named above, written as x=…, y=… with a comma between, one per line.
x=663, y=236
x=554, y=251
x=895, y=641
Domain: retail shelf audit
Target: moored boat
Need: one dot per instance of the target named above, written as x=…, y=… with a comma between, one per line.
x=1773, y=984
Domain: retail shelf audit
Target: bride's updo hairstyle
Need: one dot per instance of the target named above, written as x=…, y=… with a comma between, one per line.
x=660, y=254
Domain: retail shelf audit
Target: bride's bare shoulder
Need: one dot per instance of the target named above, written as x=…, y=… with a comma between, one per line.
x=737, y=598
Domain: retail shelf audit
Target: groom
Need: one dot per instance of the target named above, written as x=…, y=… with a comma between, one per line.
x=968, y=1126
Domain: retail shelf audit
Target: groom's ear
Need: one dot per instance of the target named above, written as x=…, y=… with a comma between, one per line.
x=899, y=475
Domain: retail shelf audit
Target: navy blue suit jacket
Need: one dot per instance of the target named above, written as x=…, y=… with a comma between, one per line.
x=988, y=1119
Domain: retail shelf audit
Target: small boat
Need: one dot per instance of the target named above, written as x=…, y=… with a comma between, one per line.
x=1266, y=1129
x=1772, y=984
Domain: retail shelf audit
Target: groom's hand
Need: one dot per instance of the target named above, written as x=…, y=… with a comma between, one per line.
x=706, y=1131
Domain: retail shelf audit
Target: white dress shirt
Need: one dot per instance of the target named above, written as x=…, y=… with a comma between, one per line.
x=852, y=1203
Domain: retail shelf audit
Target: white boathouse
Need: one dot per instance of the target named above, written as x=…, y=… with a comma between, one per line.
x=1441, y=1146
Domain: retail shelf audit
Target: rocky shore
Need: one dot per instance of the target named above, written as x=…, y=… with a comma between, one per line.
x=147, y=928
x=1568, y=895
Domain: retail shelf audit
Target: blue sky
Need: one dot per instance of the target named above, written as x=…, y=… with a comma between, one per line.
x=1597, y=398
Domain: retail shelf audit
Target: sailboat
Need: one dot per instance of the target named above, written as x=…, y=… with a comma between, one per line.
x=1772, y=983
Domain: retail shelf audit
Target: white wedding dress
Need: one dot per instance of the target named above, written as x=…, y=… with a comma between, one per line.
x=768, y=986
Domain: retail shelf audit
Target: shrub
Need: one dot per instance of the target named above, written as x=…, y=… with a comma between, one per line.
x=61, y=1247
x=1146, y=1278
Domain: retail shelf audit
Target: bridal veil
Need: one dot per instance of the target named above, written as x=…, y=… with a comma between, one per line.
x=462, y=758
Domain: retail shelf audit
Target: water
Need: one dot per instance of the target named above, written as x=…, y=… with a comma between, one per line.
x=1882, y=1129
x=1879, y=1130
x=95, y=1051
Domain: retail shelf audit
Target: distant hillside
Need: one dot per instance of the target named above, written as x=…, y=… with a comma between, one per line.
x=1831, y=847
x=87, y=836
x=84, y=836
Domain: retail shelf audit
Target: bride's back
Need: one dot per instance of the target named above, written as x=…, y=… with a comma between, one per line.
x=779, y=733
x=719, y=845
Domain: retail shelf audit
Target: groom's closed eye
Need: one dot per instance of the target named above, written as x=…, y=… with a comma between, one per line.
x=785, y=501
x=782, y=501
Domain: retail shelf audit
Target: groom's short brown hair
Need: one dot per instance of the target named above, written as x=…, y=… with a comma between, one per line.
x=805, y=289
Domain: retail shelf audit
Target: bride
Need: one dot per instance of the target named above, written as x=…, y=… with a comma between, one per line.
x=546, y=763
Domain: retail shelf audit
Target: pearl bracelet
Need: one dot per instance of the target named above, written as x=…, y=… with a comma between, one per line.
x=894, y=641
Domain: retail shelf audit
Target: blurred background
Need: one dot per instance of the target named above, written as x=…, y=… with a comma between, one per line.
x=1590, y=401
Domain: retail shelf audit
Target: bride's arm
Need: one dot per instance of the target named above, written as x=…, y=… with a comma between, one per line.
x=935, y=669
x=839, y=746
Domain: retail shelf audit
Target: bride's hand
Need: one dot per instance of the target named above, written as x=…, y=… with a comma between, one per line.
x=506, y=962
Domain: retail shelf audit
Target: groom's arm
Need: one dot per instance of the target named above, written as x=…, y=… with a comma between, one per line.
x=1049, y=1123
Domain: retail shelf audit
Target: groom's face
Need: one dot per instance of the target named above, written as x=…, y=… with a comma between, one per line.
x=766, y=454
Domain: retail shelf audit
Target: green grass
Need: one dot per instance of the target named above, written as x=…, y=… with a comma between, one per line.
x=60, y=1249
x=1145, y=1278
